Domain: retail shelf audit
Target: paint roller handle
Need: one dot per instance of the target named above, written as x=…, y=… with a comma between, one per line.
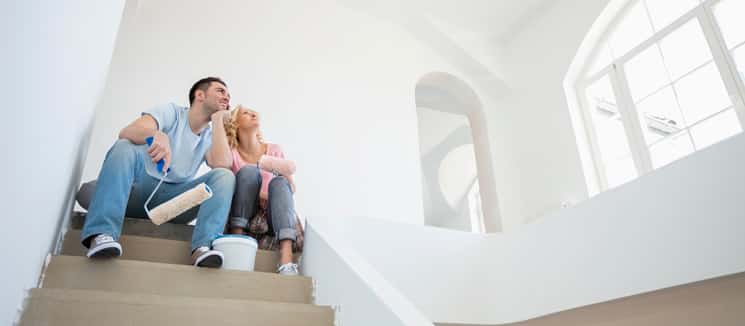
x=149, y=141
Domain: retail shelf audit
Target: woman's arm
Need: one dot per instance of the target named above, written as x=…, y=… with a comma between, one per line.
x=277, y=165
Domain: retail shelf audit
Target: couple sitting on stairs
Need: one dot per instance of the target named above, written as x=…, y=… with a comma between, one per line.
x=262, y=201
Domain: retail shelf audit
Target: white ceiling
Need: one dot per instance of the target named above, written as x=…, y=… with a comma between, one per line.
x=493, y=20
x=470, y=33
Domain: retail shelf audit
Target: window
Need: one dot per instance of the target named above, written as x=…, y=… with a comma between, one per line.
x=665, y=81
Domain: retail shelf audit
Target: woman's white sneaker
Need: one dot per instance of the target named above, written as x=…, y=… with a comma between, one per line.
x=289, y=269
x=104, y=246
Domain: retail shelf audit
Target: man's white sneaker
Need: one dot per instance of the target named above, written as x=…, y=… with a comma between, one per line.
x=104, y=246
x=204, y=257
x=289, y=269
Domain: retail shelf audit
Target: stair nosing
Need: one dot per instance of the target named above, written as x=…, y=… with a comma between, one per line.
x=63, y=294
x=164, y=251
x=179, y=267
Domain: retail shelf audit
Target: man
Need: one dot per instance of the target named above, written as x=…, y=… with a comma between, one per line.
x=183, y=139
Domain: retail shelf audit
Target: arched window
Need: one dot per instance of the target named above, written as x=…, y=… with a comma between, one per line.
x=664, y=81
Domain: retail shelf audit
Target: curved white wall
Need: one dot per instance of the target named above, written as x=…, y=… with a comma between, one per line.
x=677, y=225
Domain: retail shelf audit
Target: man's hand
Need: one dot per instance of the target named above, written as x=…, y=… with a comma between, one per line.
x=161, y=149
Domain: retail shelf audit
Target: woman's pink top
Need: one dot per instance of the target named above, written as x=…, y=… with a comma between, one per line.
x=266, y=177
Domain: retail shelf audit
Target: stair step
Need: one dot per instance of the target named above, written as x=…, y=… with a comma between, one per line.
x=162, y=251
x=142, y=227
x=85, y=307
x=131, y=276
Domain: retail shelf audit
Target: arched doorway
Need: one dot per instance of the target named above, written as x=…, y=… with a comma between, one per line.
x=458, y=186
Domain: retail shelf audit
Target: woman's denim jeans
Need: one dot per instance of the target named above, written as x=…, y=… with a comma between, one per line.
x=281, y=206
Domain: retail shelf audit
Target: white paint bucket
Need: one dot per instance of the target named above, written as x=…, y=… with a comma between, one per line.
x=239, y=251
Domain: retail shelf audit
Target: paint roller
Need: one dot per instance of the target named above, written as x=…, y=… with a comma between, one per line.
x=177, y=205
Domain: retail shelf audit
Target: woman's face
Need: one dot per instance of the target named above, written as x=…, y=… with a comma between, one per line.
x=248, y=119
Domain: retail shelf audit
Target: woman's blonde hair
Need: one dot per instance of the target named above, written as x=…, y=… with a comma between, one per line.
x=231, y=127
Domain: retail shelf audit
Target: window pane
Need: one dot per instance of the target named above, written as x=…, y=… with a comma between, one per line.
x=620, y=171
x=632, y=30
x=611, y=136
x=720, y=127
x=685, y=49
x=646, y=73
x=603, y=58
x=664, y=12
x=702, y=94
x=660, y=115
x=729, y=14
x=739, y=55
x=671, y=149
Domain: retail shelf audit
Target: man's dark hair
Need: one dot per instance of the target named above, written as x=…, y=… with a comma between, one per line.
x=203, y=84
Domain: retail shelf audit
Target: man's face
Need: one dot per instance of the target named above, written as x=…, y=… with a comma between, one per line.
x=217, y=97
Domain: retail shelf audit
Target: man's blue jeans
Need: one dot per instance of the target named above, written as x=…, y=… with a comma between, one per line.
x=123, y=172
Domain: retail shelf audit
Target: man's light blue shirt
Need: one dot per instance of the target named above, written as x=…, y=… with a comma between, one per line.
x=188, y=149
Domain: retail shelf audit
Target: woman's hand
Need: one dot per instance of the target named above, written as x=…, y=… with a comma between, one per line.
x=292, y=183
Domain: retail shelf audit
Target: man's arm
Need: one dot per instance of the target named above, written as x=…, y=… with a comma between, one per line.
x=136, y=132
x=219, y=154
x=146, y=126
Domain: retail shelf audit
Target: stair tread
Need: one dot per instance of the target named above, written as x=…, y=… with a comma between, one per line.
x=133, y=276
x=159, y=250
x=88, y=307
x=143, y=227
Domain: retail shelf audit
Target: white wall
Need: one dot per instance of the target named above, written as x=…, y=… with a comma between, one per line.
x=679, y=224
x=335, y=86
x=448, y=168
x=55, y=60
x=536, y=62
x=342, y=279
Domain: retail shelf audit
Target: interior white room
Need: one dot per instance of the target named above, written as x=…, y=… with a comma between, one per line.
x=480, y=162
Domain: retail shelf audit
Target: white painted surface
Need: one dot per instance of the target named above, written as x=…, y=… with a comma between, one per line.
x=335, y=86
x=446, y=93
x=680, y=224
x=448, y=168
x=335, y=81
x=55, y=58
x=346, y=281
x=535, y=62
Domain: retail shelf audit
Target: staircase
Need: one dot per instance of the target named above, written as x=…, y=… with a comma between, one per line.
x=153, y=284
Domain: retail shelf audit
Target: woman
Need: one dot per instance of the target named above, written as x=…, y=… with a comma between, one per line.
x=262, y=206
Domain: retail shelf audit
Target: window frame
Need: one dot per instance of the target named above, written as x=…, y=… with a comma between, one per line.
x=615, y=71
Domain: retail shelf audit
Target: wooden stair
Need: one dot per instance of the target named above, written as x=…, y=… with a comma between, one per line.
x=154, y=284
